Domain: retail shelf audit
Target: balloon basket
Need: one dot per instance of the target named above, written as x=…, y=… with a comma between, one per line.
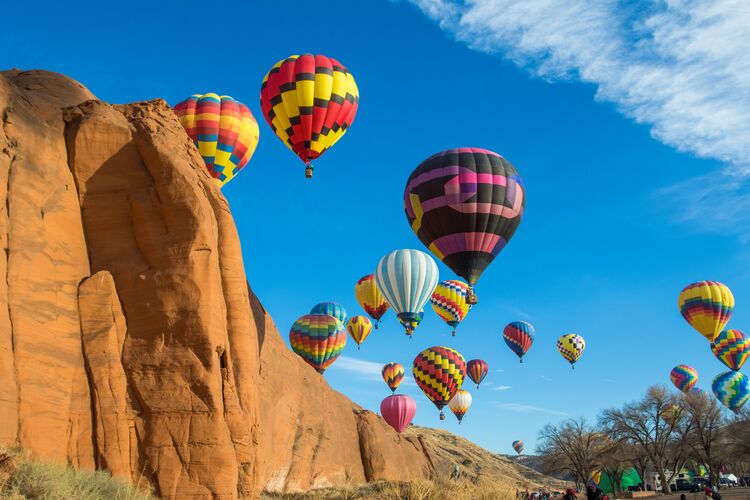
x=471, y=297
x=308, y=171
x=520, y=360
x=442, y=416
x=453, y=333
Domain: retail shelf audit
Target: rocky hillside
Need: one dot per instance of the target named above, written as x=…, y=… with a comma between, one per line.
x=129, y=338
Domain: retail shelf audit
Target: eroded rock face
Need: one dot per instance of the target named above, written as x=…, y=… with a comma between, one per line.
x=129, y=339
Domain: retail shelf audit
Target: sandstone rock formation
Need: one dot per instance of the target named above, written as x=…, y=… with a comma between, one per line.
x=129, y=339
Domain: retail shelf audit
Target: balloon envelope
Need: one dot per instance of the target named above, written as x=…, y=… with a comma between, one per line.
x=369, y=298
x=359, y=327
x=519, y=335
x=393, y=374
x=732, y=389
x=683, y=377
x=571, y=347
x=449, y=302
x=465, y=204
x=518, y=446
x=334, y=309
x=224, y=131
x=707, y=306
x=460, y=404
x=398, y=410
x=731, y=347
x=310, y=102
x=318, y=339
x=407, y=278
x=477, y=369
x=439, y=372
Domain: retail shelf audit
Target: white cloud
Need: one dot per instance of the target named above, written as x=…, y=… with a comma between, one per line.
x=522, y=408
x=502, y=387
x=500, y=370
x=678, y=66
x=370, y=370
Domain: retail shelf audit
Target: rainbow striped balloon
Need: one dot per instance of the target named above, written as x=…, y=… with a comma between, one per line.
x=477, y=369
x=731, y=347
x=359, y=327
x=449, y=302
x=518, y=446
x=683, y=377
x=318, y=339
x=707, y=306
x=223, y=129
x=732, y=389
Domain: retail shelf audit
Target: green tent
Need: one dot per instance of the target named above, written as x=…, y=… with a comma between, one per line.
x=629, y=478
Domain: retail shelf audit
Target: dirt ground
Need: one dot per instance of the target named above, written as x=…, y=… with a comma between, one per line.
x=726, y=494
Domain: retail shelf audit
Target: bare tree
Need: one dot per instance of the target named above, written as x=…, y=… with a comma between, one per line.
x=573, y=447
x=707, y=432
x=653, y=424
x=638, y=459
x=613, y=460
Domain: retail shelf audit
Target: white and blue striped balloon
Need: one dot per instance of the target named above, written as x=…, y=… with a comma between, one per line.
x=407, y=278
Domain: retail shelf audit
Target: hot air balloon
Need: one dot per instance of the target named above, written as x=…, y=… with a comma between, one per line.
x=477, y=369
x=673, y=414
x=707, y=306
x=519, y=335
x=731, y=347
x=439, y=372
x=696, y=390
x=449, y=302
x=460, y=404
x=370, y=298
x=518, y=446
x=359, y=327
x=684, y=377
x=571, y=346
x=465, y=204
x=309, y=101
x=393, y=374
x=407, y=278
x=398, y=410
x=318, y=339
x=332, y=308
x=732, y=389
x=224, y=131
x=412, y=324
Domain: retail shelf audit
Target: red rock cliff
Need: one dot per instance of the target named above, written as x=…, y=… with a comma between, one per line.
x=129, y=339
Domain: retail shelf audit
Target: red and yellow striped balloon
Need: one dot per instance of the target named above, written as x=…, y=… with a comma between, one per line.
x=223, y=129
x=477, y=369
x=310, y=102
x=359, y=327
x=370, y=299
x=707, y=306
x=439, y=372
x=318, y=339
x=393, y=374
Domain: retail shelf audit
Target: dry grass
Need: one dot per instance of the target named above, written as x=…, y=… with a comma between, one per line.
x=416, y=490
x=22, y=478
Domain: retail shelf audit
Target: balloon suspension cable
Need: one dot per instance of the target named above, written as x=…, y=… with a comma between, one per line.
x=308, y=170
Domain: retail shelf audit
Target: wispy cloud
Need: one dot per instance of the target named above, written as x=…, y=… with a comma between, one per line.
x=522, y=408
x=502, y=387
x=545, y=378
x=370, y=370
x=678, y=66
x=500, y=370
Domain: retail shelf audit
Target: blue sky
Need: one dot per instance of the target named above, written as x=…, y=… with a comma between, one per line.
x=632, y=143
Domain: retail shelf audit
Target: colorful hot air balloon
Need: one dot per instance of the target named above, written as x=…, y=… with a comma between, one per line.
x=731, y=347
x=519, y=335
x=370, y=298
x=571, y=346
x=224, y=131
x=393, y=374
x=411, y=324
x=477, y=369
x=460, y=404
x=407, y=278
x=309, y=101
x=332, y=308
x=318, y=339
x=684, y=377
x=732, y=389
x=449, y=302
x=696, y=390
x=439, y=372
x=465, y=204
x=707, y=306
x=398, y=410
x=518, y=446
x=359, y=327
